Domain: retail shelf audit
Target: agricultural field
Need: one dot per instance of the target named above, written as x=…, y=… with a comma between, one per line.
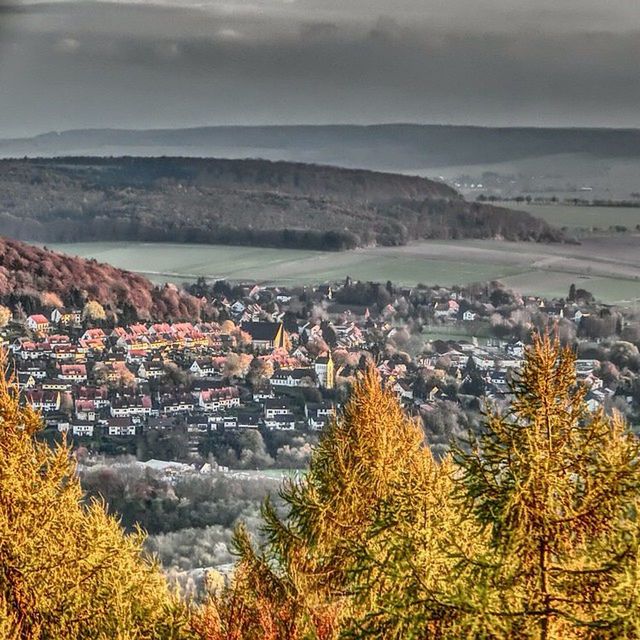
x=609, y=265
x=581, y=217
x=180, y=262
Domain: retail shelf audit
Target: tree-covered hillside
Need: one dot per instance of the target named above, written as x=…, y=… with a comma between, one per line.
x=29, y=274
x=249, y=202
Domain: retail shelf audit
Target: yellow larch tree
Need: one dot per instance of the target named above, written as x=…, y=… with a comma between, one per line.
x=557, y=488
x=304, y=581
x=67, y=570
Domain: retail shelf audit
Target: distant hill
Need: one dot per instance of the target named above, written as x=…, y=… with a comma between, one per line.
x=252, y=202
x=28, y=275
x=396, y=147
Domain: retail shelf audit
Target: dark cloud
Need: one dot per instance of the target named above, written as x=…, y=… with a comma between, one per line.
x=67, y=65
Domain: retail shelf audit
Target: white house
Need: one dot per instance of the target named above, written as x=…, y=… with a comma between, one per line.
x=83, y=428
x=285, y=422
x=38, y=323
x=276, y=407
x=293, y=378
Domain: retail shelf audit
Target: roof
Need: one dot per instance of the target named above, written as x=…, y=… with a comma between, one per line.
x=120, y=422
x=38, y=318
x=284, y=419
x=166, y=465
x=276, y=403
x=73, y=368
x=262, y=330
x=296, y=374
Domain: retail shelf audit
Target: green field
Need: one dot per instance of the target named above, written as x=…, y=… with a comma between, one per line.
x=608, y=266
x=581, y=217
x=179, y=262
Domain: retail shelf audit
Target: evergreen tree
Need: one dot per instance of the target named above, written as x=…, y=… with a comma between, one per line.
x=557, y=488
x=473, y=382
x=301, y=583
x=67, y=571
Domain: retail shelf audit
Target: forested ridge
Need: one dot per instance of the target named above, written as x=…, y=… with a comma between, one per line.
x=28, y=274
x=530, y=530
x=251, y=202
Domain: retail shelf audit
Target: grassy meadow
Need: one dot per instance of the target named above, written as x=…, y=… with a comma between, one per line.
x=607, y=266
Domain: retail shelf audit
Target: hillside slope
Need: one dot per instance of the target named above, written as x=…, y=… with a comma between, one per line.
x=386, y=146
x=28, y=274
x=254, y=202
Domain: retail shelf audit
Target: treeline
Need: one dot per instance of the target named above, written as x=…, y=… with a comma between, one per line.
x=578, y=202
x=101, y=228
x=247, y=202
x=402, y=146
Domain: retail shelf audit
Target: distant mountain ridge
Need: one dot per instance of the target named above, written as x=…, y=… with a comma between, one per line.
x=250, y=202
x=388, y=146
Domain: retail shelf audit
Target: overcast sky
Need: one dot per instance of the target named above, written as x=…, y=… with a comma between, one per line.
x=134, y=63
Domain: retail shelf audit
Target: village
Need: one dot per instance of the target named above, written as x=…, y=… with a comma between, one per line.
x=280, y=361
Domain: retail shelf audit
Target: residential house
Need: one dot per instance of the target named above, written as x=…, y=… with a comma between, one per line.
x=203, y=367
x=177, y=403
x=38, y=323
x=85, y=410
x=241, y=421
x=35, y=368
x=276, y=407
x=198, y=423
x=120, y=426
x=45, y=401
x=446, y=310
x=293, y=378
x=151, y=370
x=319, y=414
x=83, y=428
x=66, y=317
x=284, y=422
x=403, y=390
x=216, y=399
x=125, y=407
x=73, y=372
x=516, y=348
x=585, y=366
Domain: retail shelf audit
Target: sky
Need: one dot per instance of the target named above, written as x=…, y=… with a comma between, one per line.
x=68, y=64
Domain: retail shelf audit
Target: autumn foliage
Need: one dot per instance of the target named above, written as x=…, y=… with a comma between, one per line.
x=529, y=531
x=53, y=278
x=67, y=571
